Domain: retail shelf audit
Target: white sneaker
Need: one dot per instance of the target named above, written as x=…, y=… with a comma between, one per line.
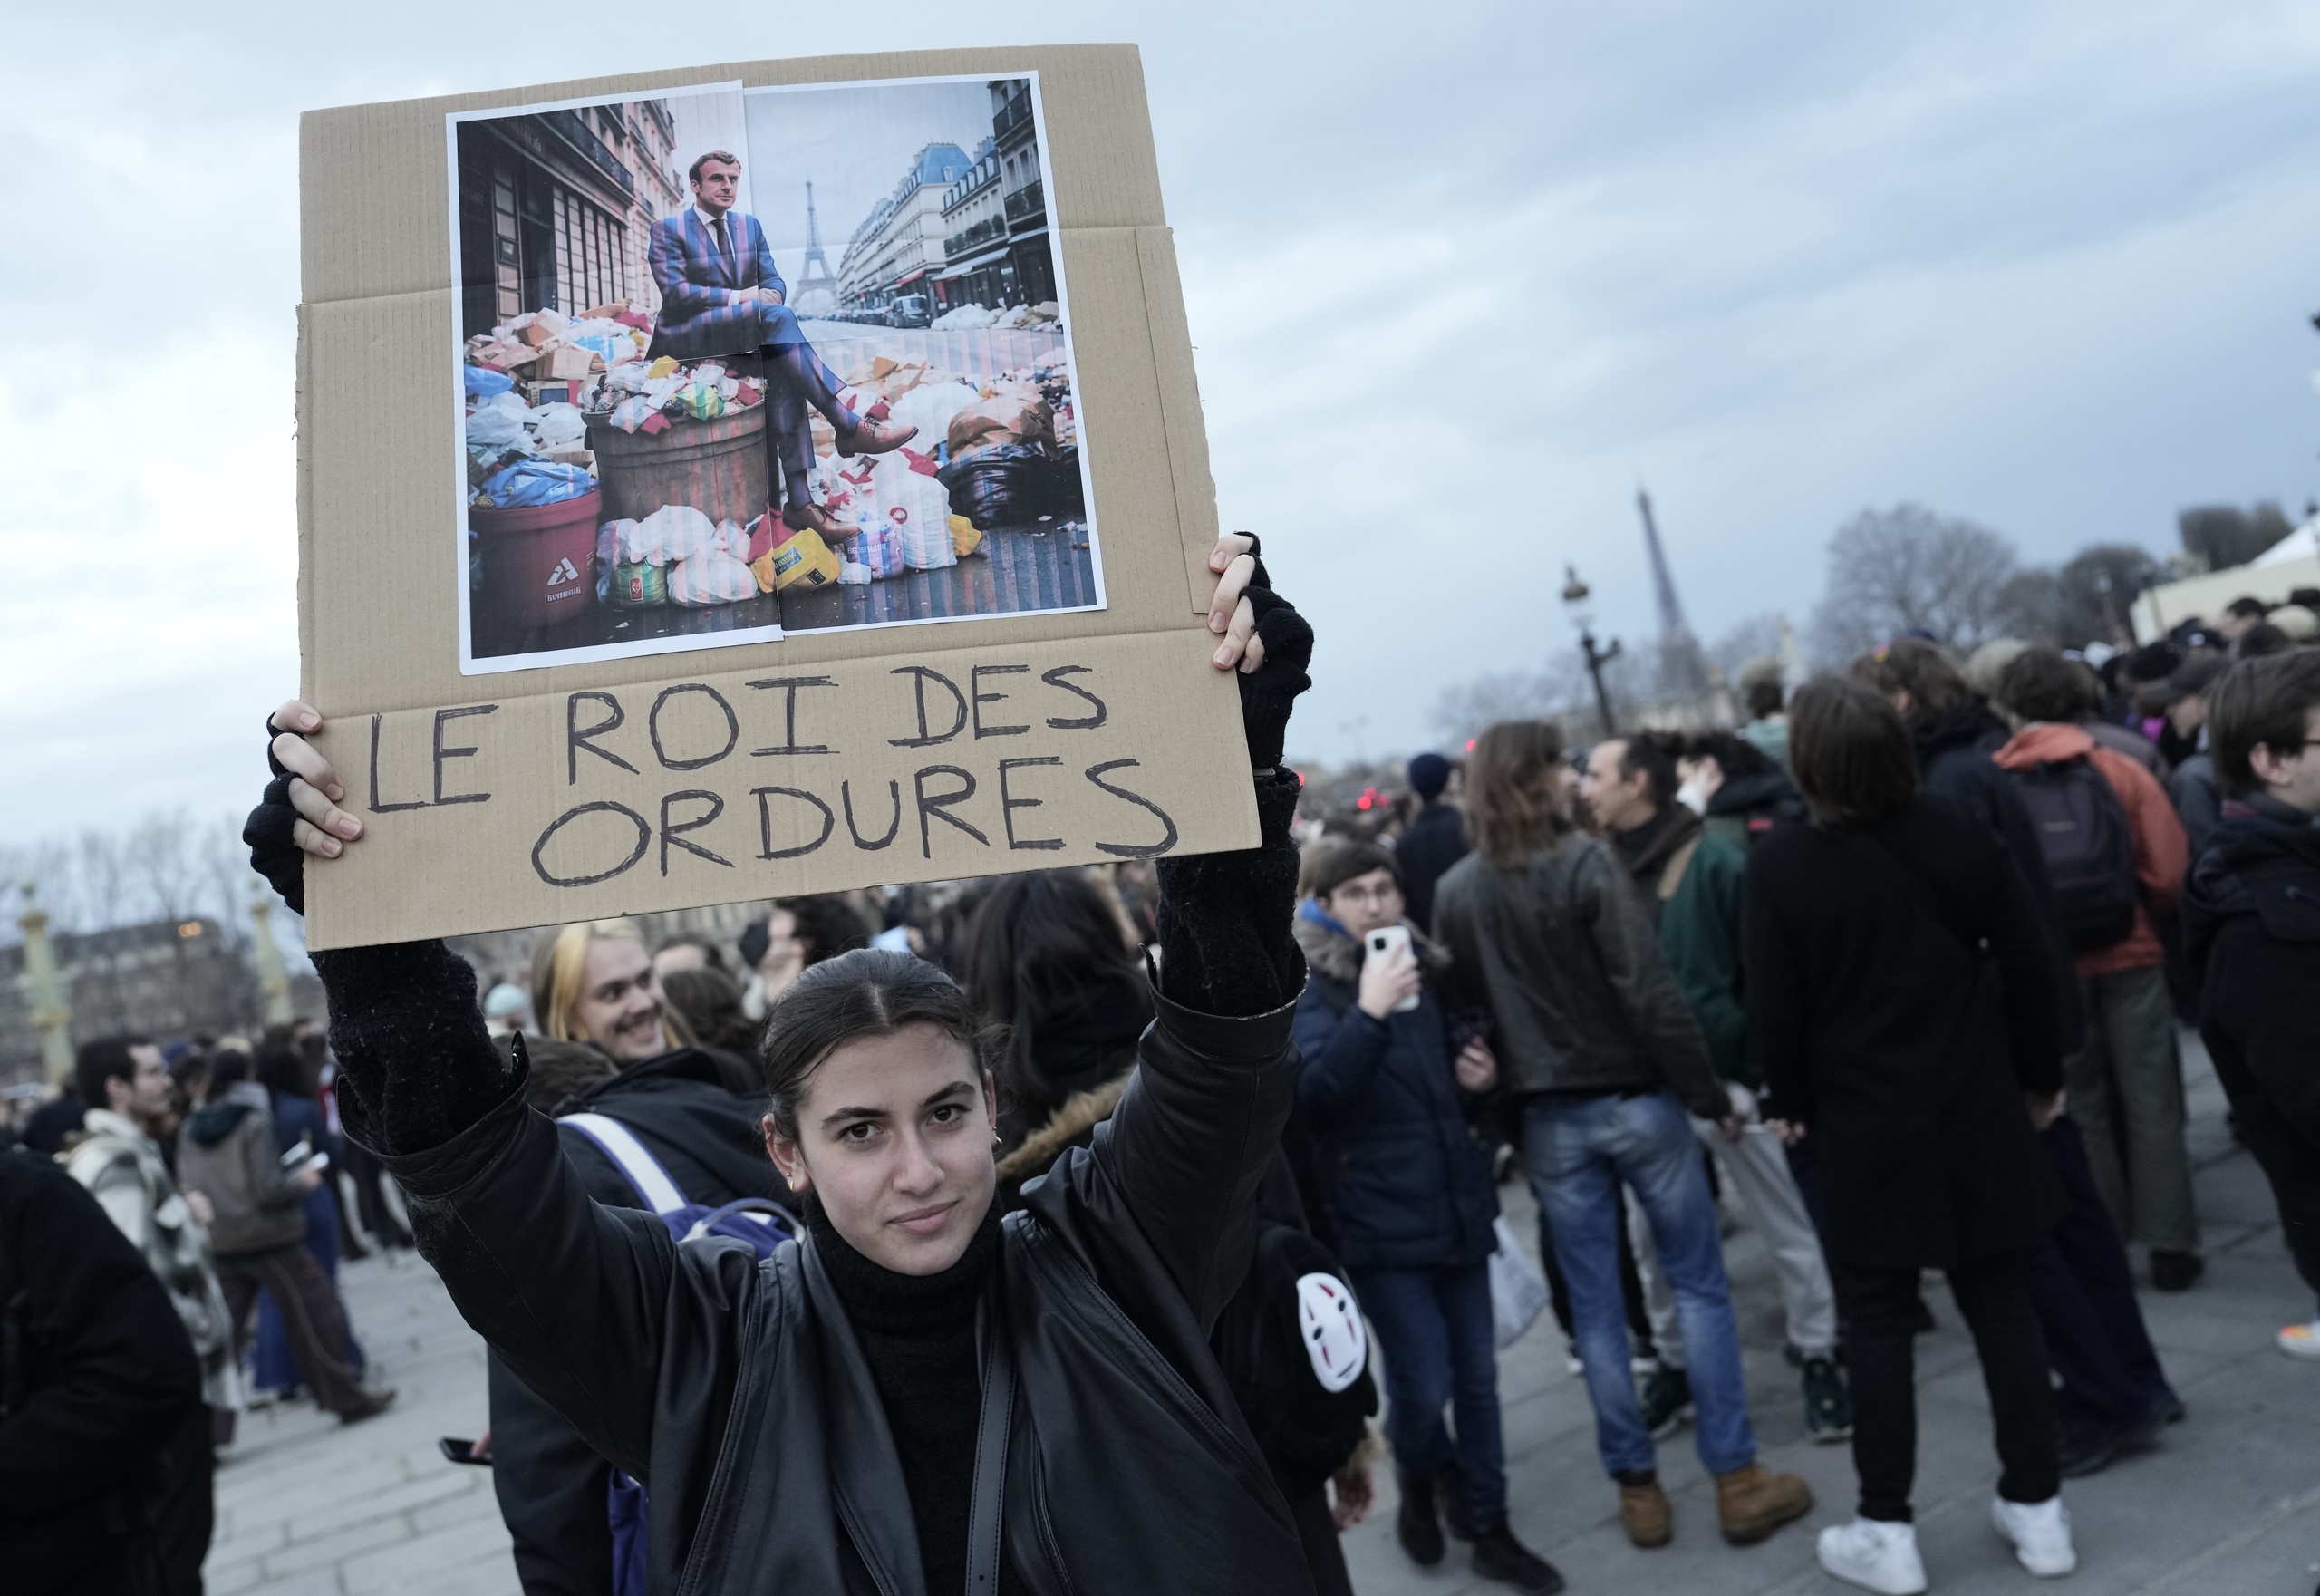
x=2040, y=1532
x=2301, y=1341
x=1874, y=1555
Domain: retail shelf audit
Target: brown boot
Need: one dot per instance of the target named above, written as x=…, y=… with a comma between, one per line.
x=1644, y=1510
x=1752, y=1502
x=813, y=517
x=874, y=438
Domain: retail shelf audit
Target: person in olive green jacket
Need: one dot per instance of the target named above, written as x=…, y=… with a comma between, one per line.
x=1694, y=882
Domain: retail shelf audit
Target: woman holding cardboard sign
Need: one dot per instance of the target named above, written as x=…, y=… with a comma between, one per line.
x=913, y=1400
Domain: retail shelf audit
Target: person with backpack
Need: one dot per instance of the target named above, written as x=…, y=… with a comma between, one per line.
x=1900, y=993
x=663, y=1133
x=2116, y=855
x=911, y=1387
x=1386, y=1086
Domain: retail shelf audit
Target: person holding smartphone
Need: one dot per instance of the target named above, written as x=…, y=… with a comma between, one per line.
x=1387, y=1095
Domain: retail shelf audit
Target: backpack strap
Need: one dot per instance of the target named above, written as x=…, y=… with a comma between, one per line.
x=661, y=1193
x=1672, y=873
x=989, y=1493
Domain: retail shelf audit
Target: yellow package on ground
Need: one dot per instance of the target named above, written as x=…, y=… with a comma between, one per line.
x=965, y=539
x=804, y=561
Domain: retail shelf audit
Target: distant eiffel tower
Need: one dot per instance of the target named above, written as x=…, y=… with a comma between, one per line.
x=1683, y=667
x=816, y=275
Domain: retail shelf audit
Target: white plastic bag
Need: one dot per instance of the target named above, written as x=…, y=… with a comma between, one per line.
x=677, y=532
x=930, y=407
x=558, y=426
x=1517, y=1290
x=498, y=423
x=713, y=569
x=918, y=508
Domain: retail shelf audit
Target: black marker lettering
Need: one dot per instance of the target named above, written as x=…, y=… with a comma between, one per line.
x=790, y=744
x=1008, y=803
x=376, y=806
x=652, y=726
x=674, y=833
x=1085, y=723
x=577, y=737
x=974, y=680
x=442, y=753
x=643, y=840
x=937, y=807
x=765, y=820
x=927, y=739
x=1127, y=850
x=893, y=793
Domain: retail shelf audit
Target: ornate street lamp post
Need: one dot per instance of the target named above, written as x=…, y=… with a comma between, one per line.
x=1576, y=605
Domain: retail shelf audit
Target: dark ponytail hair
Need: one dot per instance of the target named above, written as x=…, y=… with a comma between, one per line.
x=869, y=993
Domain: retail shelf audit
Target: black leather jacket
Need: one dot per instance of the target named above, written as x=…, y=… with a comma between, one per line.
x=1564, y=956
x=737, y=1392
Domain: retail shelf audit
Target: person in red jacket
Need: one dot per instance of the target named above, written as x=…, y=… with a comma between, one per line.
x=2126, y=1084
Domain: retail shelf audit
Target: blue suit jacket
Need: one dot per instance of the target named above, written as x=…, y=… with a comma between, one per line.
x=697, y=316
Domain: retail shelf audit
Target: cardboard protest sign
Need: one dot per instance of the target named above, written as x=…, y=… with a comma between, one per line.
x=634, y=471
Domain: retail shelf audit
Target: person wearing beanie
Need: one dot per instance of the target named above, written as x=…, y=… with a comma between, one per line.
x=1435, y=839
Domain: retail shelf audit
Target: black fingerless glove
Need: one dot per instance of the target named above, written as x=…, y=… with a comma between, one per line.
x=269, y=834
x=1270, y=692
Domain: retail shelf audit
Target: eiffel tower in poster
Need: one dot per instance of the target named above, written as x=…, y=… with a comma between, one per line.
x=817, y=288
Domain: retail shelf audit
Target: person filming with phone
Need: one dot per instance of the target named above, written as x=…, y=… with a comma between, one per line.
x=1387, y=1084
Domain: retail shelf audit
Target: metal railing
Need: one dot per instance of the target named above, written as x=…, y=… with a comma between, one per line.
x=1029, y=203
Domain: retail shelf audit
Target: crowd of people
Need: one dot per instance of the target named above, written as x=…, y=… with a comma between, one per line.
x=995, y=1233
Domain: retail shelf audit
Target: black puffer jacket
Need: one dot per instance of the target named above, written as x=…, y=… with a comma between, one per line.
x=2251, y=927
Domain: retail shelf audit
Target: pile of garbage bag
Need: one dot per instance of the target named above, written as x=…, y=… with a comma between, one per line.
x=548, y=345
x=648, y=399
x=974, y=318
x=1005, y=452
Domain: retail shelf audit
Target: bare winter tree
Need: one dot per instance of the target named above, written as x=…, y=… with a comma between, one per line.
x=1562, y=688
x=2085, y=600
x=1908, y=569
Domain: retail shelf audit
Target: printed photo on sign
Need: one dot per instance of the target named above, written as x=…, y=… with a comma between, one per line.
x=737, y=364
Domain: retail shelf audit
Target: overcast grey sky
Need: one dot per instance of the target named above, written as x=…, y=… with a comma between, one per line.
x=1457, y=273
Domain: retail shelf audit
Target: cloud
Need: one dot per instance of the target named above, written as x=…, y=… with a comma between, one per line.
x=1457, y=276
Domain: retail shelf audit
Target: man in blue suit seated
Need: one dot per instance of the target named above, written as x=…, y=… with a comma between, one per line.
x=721, y=294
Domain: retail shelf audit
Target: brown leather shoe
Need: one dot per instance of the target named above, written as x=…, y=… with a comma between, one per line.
x=1644, y=1510
x=874, y=438
x=1754, y=1502
x=813, y=517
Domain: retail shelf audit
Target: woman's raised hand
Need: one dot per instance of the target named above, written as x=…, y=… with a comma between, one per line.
x=315, y=790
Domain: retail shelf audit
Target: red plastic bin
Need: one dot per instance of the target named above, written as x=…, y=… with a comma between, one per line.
x=536, y=561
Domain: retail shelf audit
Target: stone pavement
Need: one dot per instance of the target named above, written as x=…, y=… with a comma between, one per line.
x=2227, y=1504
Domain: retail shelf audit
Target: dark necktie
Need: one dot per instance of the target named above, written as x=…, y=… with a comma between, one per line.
x=725, y=250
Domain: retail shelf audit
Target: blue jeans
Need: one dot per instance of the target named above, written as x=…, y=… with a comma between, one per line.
x=1435, y=1329
x=1577, y=1151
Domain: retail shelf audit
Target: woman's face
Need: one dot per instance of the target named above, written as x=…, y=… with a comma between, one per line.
x=896, y=1133
x=618, y=1007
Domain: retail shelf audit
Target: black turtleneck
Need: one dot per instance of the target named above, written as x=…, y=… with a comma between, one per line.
x=918, y=1333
